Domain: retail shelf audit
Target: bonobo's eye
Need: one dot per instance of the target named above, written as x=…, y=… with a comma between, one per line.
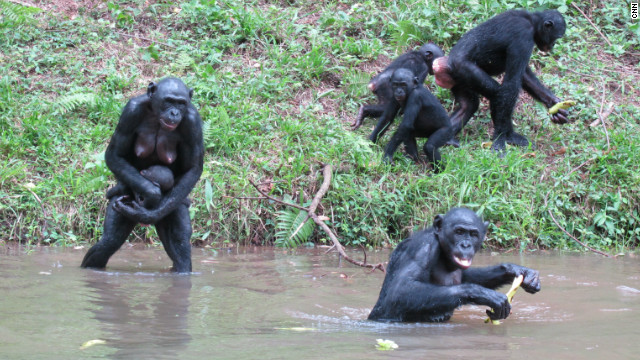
x=548, y=24
x=474, y=233
x=459, y=231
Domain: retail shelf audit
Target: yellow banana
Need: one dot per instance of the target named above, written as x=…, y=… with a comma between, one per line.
x=516, y=284
x=561, y=105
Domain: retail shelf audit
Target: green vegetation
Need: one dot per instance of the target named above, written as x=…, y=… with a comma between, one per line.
x=277, y=84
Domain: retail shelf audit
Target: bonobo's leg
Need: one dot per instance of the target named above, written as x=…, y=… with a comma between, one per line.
x=372, y=110
x=175, y=234
x=468, y=103
x=411, y=147
x=502, y=106
x=435, y=142
x=390, y=111
x=116, y=230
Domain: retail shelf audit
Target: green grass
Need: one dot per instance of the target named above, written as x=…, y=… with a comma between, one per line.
x=277, y=84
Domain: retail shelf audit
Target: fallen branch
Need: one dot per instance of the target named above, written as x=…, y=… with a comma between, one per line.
x=566, y=232
x=592, y=24
x=311, y=212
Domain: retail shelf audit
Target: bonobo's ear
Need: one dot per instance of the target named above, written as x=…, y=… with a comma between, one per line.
x=548, y=24
x=428, y=55
x=151, y=89
x=486, y=225
x=415, y=81
x=437, y=222
x=190, y=93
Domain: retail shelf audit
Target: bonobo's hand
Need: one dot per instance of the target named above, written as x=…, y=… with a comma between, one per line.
x=134, y=211
x=499, y=304
x=531, y=282
x=561, y=117
x=150, y=192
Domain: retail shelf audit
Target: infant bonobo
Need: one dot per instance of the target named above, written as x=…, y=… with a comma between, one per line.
x=160, y=176
x=429, y=274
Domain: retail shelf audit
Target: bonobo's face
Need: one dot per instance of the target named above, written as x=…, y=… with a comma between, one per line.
x=430, y=52
x=550, y=27
x=460, y=233
x=403, y=82
x=170, y=99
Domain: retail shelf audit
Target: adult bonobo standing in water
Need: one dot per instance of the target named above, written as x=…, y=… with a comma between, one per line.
x=159, y=128
x=423, y=117
x=418, y=61
x=503, y=44
x=429, y=274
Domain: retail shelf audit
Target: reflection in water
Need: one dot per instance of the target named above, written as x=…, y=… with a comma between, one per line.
x=144, y=319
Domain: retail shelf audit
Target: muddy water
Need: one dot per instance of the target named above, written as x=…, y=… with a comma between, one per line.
x=270, y=304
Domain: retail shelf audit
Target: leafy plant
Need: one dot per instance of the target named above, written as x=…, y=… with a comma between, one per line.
x=293, y=228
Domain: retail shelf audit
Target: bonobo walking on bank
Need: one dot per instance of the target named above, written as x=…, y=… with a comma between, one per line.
x=418, y=61
x=501, y=45
x=429, y=274
x=161, y=127
x=424, y=117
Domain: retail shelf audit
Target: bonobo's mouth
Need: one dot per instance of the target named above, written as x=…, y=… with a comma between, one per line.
x=462, y=263
x=168, y=126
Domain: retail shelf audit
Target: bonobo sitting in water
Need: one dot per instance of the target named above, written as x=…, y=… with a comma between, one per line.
x=161, y=127
x=429, y=274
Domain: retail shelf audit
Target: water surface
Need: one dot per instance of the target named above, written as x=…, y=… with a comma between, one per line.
x=263, y=303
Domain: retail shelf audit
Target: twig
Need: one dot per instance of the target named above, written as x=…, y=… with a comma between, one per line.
x=146, y=39
x=23, y=4
x=311, y=211
x=602, y=118
x=592, y=24
x=566, y=232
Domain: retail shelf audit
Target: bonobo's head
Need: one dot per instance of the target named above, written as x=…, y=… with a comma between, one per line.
x=170, y=99
x=550, y=26
x=430, y=52
x=160, y=175
x=460, y=233
x=403, y=82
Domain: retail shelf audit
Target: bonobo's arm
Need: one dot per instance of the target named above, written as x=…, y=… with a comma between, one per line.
x=493, y=277
x=120, y=148
x=534, y=87
x=385, y=120
x=190, y=159
x=406, y=129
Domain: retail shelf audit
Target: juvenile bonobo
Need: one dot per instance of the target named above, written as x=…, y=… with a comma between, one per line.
x=160, y=176
x=501, y=45
x=163, y=128
x=429, y=274
x=419, y=61
x=423, y=117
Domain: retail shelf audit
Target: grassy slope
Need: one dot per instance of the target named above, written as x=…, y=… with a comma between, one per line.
x=277, y=84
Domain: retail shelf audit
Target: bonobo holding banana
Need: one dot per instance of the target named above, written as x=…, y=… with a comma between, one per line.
x=429, y=274
x=501, y=45
x=161, y=127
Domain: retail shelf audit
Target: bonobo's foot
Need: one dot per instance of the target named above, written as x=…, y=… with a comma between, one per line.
x=453, y=142
x=358, y=122
x=501, y=140
x=516, y=139
x=94, y=259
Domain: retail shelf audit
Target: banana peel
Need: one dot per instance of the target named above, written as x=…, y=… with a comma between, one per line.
x=561, y=105
x=512, y=291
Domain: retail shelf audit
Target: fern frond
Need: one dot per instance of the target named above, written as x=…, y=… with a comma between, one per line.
x=182, y=63
x=13, y=14
x=293, y=228
x=68, y=103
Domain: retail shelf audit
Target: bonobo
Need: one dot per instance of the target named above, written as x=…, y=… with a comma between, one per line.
x=423, y=116
x=503, y=44
x=160, y=176
x=418, y=61
x=429, y=274
x=163, y=128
